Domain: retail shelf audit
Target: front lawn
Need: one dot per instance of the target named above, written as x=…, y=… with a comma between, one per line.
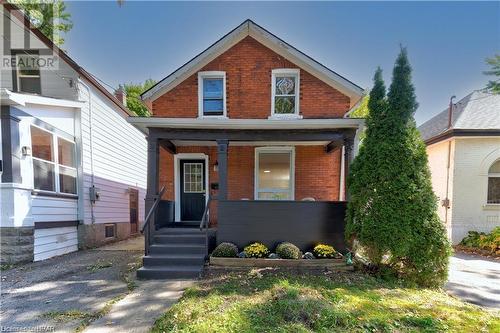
x=349, y=302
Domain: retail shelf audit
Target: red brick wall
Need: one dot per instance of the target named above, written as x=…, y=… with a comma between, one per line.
x=248, y=67
x=316, y=173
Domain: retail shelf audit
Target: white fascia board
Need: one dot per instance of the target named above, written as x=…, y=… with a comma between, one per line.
x=11, y=98
x=305, y=62
x=142, y=123
x=248, y=28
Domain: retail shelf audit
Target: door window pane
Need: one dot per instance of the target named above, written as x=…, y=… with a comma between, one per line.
x=41, y=144
x=44, y=176
x=193, y=178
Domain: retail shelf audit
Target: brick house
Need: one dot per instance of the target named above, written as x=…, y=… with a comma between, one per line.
x=253, y=138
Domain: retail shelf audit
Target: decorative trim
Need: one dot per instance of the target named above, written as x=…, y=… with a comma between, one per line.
x=38, y=193
x=292, y=72
x=177, y=190
x=55, y=224
x=462, y=132
x=211, y=75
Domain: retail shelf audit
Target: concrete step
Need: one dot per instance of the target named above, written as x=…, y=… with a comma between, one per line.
x=192, y=239
x=170, y=272
x=173, y=260
x=177, y=249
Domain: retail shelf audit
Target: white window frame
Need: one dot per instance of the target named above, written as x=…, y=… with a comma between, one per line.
x=289, y=72
x=55, y=162
x=18, y=71
x=491, y=175
x=211, y=75
x=275, y=149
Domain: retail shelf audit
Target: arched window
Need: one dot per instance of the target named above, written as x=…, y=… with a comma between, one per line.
x=494, y=183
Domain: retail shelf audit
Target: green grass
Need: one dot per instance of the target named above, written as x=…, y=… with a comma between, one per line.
x=99, y=265
x=281, y=302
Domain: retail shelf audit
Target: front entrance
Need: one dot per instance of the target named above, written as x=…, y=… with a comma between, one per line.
x=192, y=189
x=134, y=209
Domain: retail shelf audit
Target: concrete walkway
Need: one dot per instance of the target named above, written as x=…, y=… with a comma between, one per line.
x=475, y=279
x=137, y=312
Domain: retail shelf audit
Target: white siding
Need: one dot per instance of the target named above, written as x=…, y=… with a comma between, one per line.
x=48, y=209
x=117, y=157
x=54, y=242
x=473, y=157
x=438, y=165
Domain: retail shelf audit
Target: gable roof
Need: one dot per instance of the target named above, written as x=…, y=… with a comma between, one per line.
x=250, y=28
x=16, y=11
x=478, y=112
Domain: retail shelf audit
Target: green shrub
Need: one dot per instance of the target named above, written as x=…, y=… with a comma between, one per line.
x=226, y=250
x=392, y=211
x=288, y=251
x=256, y=250
x=489, y=242
x=323, y=251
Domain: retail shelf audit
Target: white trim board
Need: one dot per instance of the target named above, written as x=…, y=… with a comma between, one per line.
x=177, y=189
x=249, y=28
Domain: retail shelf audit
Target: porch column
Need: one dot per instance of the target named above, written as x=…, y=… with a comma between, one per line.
x=10, y=147
x=152, y=175
x=348, y=156
x=222, y=160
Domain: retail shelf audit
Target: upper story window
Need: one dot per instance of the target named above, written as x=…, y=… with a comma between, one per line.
x=54, y=163
x=494, y=183
x=212, y=94
x=27, y=73
x=285, y=92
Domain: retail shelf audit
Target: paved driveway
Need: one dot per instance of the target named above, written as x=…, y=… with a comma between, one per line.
x=32, y=295
x=475, y=279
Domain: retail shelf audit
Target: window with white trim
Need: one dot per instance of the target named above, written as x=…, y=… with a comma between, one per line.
x=494, y=183
x=54, y=163
x=212, y=94
x=285, y=92
x=28, y=73
x=274, y=173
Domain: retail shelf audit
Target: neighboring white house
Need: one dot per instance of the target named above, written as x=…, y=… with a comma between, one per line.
x=73, y=170
x=463, y=145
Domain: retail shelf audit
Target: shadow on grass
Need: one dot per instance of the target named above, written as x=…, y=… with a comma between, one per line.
x=272, y=301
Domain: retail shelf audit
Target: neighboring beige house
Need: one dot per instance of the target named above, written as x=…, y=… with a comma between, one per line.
x=463, y=144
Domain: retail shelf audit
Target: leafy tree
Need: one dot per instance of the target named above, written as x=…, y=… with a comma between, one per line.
x=494, y=85
x=49, y=16
x=134, y=102
x=392, y=208
x=362, y=110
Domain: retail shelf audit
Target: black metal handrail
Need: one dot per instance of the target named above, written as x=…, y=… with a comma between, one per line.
x=204, y=221
x=147, y=227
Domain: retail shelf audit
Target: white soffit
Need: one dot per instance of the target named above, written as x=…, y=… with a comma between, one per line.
x=249, y=28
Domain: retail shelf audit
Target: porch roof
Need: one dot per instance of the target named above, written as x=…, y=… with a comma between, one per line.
x=145, y=123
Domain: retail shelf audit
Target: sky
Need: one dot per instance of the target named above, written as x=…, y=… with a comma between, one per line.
x=447, y=42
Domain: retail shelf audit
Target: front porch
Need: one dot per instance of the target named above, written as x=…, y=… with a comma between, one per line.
x=250, y=184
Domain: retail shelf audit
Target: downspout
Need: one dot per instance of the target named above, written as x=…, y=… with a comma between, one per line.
x=446, y=201
x=92, y=214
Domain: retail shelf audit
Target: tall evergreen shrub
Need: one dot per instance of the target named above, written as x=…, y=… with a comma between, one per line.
x=392, y=208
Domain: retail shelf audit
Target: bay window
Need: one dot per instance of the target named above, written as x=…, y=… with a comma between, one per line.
x=54, y=165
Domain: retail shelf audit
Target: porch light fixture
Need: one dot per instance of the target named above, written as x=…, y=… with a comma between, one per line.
x=216, y=166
